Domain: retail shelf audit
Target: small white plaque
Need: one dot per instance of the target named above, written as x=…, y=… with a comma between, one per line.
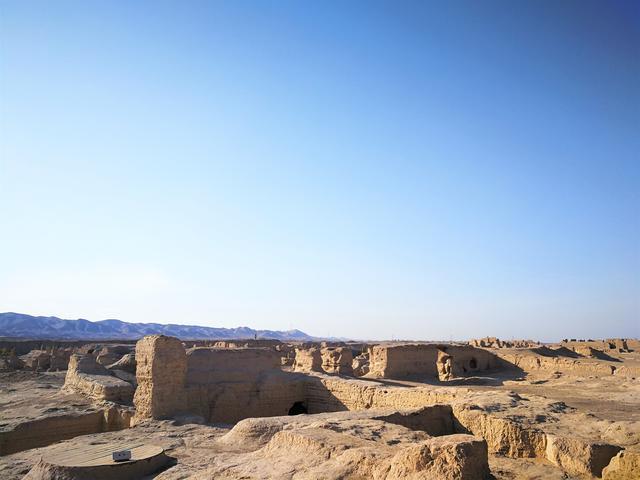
x=121, y=455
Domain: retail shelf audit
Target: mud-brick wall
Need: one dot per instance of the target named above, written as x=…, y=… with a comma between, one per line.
x=220, y=385
x=469, y=360
x=213, y=365
x=420, y=361
x=403, y=361
x=325, y=393
x=161, y=367
x=271, y=394
x=227, y=385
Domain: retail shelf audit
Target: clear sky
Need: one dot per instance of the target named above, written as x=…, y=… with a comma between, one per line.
x=362, y=169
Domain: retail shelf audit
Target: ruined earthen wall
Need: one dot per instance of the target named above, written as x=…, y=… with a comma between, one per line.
x=161, y=375
x=271, y=394
x=403, y=361
x=47, y=430
x=421, y=361
x=324, y=393
x=531, y=362
x=494, y=342
x=87, y=377
x=219, y=384
x=337, y=360
x=308, y=360
x=469, y=360
x=228, y=385
x=609, y=344
x=213, y=365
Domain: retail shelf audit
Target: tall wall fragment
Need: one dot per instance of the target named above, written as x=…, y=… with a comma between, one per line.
x=161, y=374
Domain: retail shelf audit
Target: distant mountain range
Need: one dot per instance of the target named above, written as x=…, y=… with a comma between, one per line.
x=20, y=325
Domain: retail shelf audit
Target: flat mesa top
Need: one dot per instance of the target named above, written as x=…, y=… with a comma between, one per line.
x=100, y=454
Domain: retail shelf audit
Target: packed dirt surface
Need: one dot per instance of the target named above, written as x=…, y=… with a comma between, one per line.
x=387, y=411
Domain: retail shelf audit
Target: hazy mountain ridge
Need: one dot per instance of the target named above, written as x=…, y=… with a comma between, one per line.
x=20, y=325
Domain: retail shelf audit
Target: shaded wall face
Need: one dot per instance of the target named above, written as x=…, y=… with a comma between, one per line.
x=610, y=344
x=469, y=360
x=227, y=385
x=273, y=394
x=404, y=361
x=221, y=385
x=413, y=361
x=421, y=361
x=210, y=365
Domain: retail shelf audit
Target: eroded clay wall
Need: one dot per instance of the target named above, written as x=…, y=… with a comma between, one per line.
x=324, y=393
x=213, y=365
x=161, y=376
x=271, y=394
x=532, y=361
x=420, y=361
x=403, y=361
x=228, y=385
x=308, y=360
x=220, y=385
x=469, y=360
x=606, y=345
x=337, y=360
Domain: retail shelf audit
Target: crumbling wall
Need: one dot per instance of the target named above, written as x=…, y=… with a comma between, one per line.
x=470, y=361
x=495, y=342
x=161, y=375
x=624, y=466
x=337, y=360
x=218, y=384
x=9, y=361
x=228, y=385
x=271, y=394
x=403, y=361
x=548, y=360
x=420, y=361
x=325, y=393
x=360, y=365
x=213, y=365
x=37, y=360
x=618, y=345
x=126, y=363
x=87, y=377
x=308, y=360
x=44, y=431
x=245, y=343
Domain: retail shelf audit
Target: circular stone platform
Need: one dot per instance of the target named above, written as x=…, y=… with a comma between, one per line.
x=76, y=462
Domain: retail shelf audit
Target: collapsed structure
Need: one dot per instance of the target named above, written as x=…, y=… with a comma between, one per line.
x=429, y=361
x=379, y=411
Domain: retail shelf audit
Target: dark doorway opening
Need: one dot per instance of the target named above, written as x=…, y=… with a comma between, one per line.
x=298, y=408
x=473, y=364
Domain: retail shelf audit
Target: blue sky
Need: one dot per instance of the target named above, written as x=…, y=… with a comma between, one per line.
x=362, y=169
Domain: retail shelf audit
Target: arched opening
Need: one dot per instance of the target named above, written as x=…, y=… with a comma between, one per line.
x=473, y=364
x=298, y=408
